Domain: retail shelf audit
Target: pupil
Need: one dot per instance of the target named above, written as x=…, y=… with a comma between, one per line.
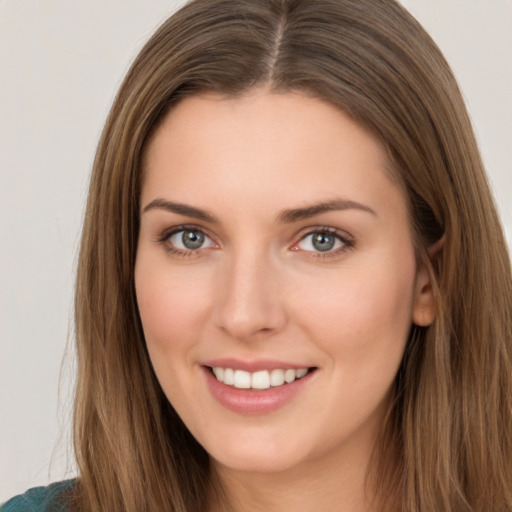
x=192, y=239
x=323, y=242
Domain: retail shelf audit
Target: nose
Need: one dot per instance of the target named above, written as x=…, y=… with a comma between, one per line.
x=251, y=303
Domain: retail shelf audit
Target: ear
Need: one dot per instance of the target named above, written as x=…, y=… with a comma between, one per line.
x=424, y=310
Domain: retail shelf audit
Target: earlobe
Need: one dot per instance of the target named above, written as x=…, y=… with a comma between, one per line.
x=424, y=311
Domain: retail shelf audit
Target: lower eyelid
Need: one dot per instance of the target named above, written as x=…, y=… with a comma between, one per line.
x=178, y=252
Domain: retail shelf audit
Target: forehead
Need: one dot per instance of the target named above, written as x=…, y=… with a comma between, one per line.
x=275, y=147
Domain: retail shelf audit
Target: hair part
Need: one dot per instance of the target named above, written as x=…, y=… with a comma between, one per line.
x=449, y=426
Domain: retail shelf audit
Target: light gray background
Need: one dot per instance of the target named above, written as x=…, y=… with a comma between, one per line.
x=61, y=62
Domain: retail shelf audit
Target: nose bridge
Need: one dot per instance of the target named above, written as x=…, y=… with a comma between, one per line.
x=251, y=303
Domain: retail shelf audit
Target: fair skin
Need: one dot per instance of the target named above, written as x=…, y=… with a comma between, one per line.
x=272, y=238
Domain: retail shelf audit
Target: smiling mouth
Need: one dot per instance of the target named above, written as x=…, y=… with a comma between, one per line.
x=260, y=380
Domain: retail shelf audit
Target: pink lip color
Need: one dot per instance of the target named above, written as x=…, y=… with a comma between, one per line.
x=246, y=401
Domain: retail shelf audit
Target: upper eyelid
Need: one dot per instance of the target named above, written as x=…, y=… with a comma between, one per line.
x=166, y=233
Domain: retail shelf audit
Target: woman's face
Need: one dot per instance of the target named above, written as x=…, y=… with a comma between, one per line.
x=276, y=278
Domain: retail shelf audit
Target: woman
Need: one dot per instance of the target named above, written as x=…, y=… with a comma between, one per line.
x=293, y=290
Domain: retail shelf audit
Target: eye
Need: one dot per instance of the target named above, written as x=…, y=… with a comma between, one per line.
x=185, y=240
x=323, y=241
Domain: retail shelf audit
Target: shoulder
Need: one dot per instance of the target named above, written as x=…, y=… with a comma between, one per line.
x=40, y=499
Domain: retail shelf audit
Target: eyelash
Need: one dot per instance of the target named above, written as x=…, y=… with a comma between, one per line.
x=346, y=240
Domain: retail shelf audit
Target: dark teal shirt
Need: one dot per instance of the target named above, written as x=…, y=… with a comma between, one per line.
x=40, y=499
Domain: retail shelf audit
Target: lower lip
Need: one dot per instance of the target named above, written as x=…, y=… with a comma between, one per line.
x=246, y=401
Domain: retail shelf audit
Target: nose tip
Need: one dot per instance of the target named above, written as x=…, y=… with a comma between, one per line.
x=251, y=305
x=247, y=324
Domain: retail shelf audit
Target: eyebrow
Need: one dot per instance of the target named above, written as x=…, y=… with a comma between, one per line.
x=296, y=214
x=181, y=209
x=286, y=216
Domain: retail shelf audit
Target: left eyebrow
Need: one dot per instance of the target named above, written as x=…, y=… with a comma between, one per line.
x=296, y=214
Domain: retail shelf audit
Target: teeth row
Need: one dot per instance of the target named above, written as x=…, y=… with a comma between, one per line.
x=258, y=380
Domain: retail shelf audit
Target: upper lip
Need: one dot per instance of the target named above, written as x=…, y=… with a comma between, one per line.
x=254, y=365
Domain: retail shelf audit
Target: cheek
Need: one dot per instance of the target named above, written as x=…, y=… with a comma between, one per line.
x=172, y=305
x=363, y=315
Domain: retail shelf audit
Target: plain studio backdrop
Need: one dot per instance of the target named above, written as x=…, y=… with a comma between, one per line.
x=61, y=63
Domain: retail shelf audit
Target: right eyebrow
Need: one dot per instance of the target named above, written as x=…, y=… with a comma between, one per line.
x=180, y=209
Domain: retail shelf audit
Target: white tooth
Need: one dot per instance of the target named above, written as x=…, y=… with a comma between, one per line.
x=219, y=373
x=242, y=379
x=229, y=376
x=260, y=380
x=289, y=376
x=300, y=373
x=277, y=377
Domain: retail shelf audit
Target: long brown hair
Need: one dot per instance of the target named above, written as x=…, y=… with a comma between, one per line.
x=450, y=426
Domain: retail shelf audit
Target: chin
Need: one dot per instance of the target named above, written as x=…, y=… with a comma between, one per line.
x=260, y=455
x=256, y=462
